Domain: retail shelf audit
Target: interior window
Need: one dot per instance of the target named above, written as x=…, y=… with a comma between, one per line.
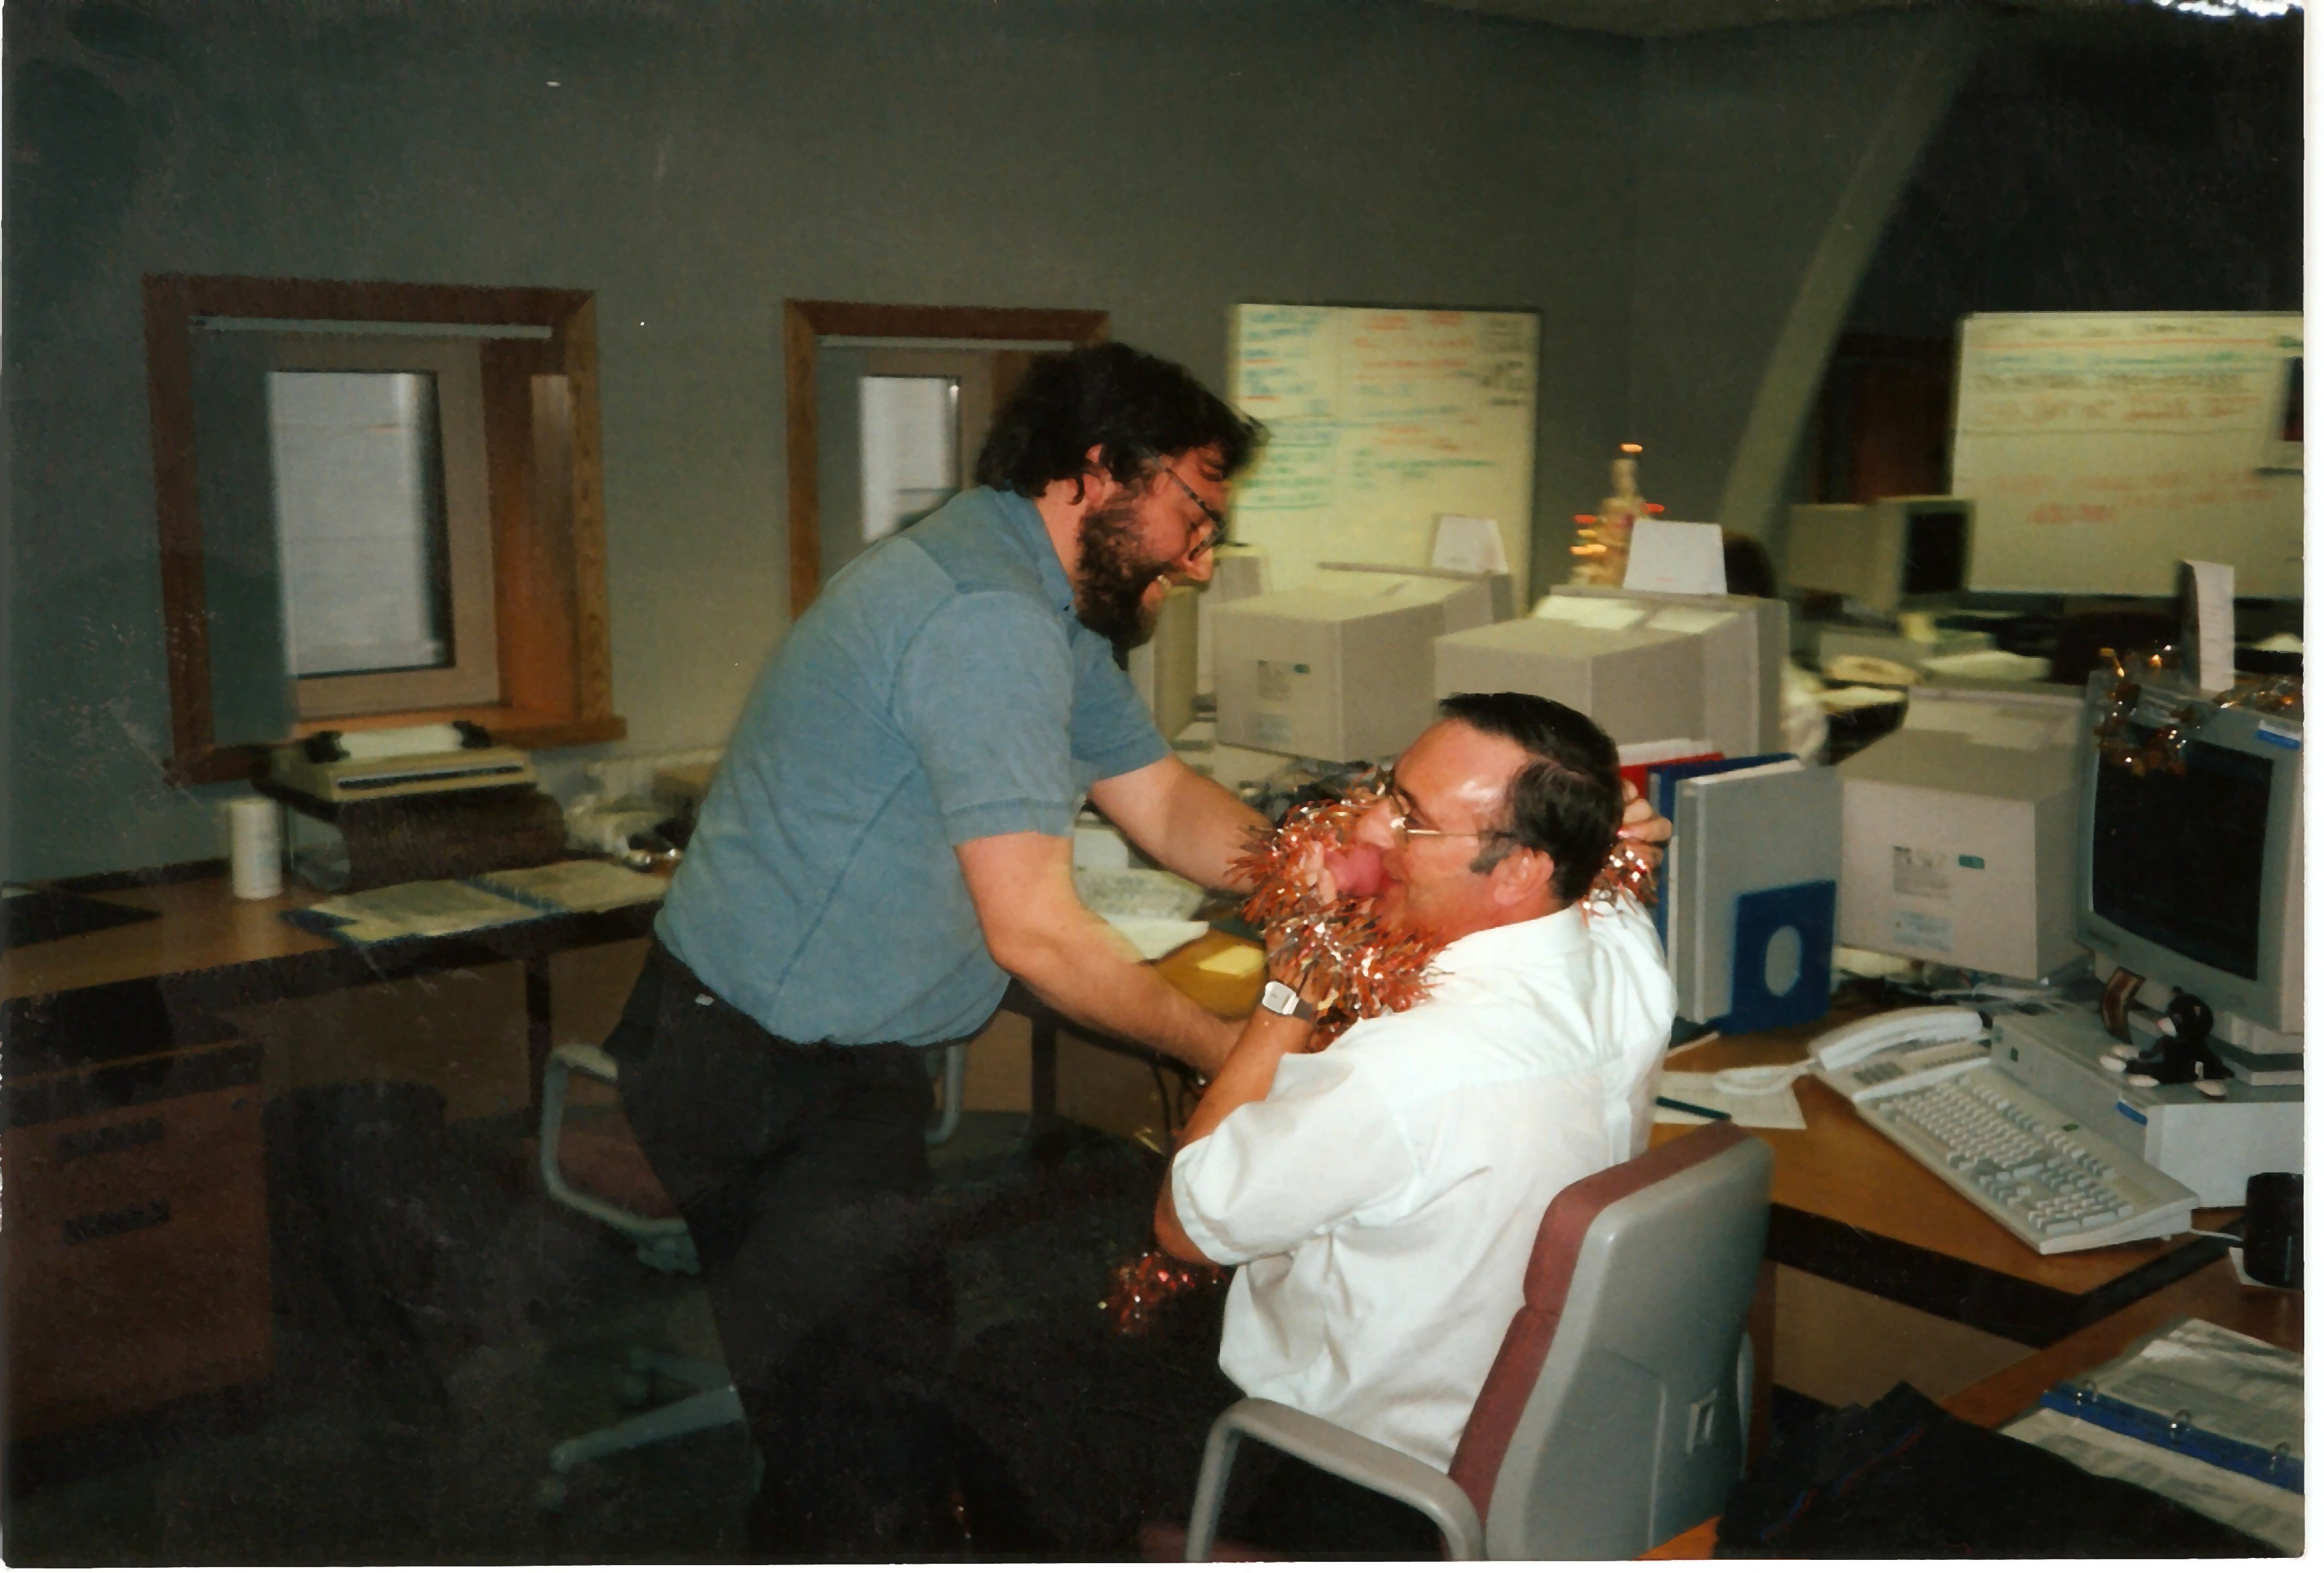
x=359, y=504
x=375, y=445
x=911, y=450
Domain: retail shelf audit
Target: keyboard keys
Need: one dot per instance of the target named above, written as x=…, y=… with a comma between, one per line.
x=2008, y=1151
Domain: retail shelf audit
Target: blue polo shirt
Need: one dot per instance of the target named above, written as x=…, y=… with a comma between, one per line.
x=939, y=690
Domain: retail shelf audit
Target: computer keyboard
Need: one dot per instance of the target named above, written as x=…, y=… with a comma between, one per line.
x=2046, y=1178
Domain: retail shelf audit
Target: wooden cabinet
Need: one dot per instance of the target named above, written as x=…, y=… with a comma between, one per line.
x=136, y=1236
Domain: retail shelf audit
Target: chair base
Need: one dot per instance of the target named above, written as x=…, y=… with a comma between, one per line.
x=715, y=1404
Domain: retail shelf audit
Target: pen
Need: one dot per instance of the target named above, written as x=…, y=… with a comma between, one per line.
x=1693, y=1109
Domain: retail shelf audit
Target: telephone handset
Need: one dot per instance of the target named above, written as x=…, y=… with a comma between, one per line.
x=1927, y=1024
x=1894, y=1052
x=1899, y=1051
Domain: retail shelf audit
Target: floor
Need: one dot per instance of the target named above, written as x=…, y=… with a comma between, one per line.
x=422, y=1376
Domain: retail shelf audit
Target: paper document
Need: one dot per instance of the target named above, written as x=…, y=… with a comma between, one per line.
x=577, y=885
x=2213, y=587
x=1590, y=611
x=425, y=906
x=1687, y=620
x=1775, y=1110
x=2223, y=1382
x=2267, y=1512
x=1469, y=545
x=1154, y=938
x=1119, y=893
x=1685, y=559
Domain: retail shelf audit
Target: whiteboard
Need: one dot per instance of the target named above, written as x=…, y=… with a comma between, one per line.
x=1379, y=419
x=2101, y=447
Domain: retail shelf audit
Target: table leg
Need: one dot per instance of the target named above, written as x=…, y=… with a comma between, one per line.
x=1043, y=1122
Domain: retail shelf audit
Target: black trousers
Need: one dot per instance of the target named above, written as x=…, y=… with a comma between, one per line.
x=802, y=1173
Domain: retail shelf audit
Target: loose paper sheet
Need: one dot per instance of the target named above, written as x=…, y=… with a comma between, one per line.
x=1677, y=558
x=1775, y=1110
x=1468, y=544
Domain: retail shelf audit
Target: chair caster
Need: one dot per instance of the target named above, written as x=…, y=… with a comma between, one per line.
x=551, y=1495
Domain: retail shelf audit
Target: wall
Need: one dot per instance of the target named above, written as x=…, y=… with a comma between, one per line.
x=695, y=166
x=1769, y=159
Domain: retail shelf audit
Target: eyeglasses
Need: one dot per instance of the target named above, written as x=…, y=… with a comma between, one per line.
x=1400, y=821
x=1218, y=524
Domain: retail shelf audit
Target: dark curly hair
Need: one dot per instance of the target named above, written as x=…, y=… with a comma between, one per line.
x=1567, y=800
x=1134, y=407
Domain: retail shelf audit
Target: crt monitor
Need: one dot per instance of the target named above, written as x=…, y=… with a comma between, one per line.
x=1898, y=553
x=2192, y=879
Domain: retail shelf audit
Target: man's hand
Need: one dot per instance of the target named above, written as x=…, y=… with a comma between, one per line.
x=1642, y=827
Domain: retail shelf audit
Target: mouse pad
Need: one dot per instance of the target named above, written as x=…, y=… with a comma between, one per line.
x=37, y=916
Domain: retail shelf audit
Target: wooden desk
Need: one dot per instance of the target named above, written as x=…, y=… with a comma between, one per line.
x=137, y=1268
x=75, y=1002
x=2211, y=1293
x=1850, y=1207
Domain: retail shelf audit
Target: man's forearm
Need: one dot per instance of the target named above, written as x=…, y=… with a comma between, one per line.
x=1081, y=972
x=1183, y=820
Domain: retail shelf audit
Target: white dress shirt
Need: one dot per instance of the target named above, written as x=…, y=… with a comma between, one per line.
x=1383, y=1197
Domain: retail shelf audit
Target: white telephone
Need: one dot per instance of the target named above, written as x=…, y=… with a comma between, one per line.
x=1899, y=1050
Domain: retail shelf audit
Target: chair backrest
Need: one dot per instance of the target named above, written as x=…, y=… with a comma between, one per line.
x=1613, y=1415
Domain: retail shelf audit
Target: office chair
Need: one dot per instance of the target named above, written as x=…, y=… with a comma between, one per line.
x=1615, y=1414
x=618, y=1189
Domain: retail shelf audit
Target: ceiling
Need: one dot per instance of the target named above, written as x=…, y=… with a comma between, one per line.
x=1665, y=18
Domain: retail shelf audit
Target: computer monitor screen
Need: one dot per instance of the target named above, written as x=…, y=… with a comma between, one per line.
x=1936, y=550
x=2191, y=878
x=2179, y=860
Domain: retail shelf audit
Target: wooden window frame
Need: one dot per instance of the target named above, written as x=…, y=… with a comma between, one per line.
x=805, y=321
x=544, y=483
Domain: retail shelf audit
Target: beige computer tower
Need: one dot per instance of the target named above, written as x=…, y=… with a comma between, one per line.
x=1746, y=642
x=1641, y=684
x=1956, y=846
x=1339, y=670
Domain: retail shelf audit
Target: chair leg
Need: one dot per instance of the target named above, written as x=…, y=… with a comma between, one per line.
x=1211, y=1489
x=954, y=1068
x=703, y=1375
x=701, y=1413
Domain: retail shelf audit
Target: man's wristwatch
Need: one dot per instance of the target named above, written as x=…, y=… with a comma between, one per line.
x=1285, y=1000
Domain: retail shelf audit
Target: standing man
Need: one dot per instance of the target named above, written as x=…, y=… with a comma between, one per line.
x=888, y=841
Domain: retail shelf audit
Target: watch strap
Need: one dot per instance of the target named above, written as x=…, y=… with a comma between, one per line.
x=1283, y=999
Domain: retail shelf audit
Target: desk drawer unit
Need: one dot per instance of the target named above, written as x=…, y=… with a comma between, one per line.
x=136, y=1237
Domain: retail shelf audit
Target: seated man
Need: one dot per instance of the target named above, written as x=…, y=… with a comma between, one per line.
x=1382, y=1196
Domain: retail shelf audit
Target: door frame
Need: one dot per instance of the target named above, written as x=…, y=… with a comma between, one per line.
x=805, y=321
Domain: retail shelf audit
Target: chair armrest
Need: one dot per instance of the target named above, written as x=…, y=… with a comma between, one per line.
x=589, y=1061
x=1367, y=1463
x=589, y=1058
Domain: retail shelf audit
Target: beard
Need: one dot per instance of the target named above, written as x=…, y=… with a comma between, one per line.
x=1109, y=591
